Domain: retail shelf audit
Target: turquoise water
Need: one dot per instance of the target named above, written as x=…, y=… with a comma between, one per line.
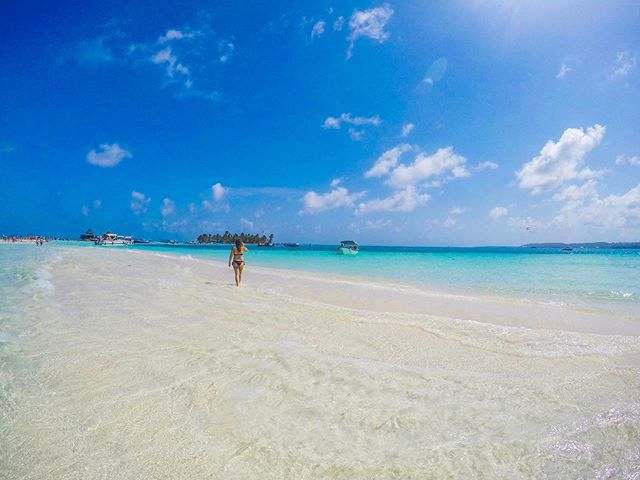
x=579, y=276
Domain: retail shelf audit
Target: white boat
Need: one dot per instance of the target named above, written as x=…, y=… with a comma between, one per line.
x=113, y=240
x=347, y=247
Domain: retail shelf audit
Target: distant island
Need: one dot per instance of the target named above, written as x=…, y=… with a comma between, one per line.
x=611, y=245
x=228, y=237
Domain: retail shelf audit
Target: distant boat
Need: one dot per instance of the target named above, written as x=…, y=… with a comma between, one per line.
x=568, y=249
x=347, y=247
x=140, y=240
x=291, y=244
x=112, y=240
x=89, y=236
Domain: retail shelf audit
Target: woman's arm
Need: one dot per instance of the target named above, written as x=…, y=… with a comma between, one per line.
x=230, y=256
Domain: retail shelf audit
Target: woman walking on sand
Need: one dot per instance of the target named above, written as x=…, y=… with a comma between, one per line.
x=236, y=258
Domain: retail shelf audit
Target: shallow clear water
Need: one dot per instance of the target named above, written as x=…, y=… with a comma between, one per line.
x=122, y=364
x=580, y=276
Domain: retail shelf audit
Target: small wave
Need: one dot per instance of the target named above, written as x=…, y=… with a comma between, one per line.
x=621, y=294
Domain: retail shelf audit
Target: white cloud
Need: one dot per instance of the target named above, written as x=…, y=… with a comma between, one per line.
x=564, y=69
x=219, y=191
x=139, y=202
x=173, y=66
x=225, y=50
x=625, y=61
x=318, y=29
x=560, y=162
x=97, y=204
x=486, y=165
x=246, y=223
x=626, y=160
x=173, y=34
x=387, y=161
x=449, y=223
x=107, y=155
x=168, y=207
x=378, y=224
x=338, y=24
x=588, y=208
x=404, y=200
x=335, y=182
x=337, y=198
x=574, y=193
x=426, y=166
x=457, y=210
x=85, y=210
x=336, y=122
x=192, y=207
x=407, y=128
x=356, y=135
x=369, y=23
x=498, y=212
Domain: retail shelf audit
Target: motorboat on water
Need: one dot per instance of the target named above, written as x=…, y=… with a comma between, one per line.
x=347, y=247
x=113, y=240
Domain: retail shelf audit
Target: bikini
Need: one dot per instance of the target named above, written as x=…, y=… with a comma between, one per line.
x=237, y=262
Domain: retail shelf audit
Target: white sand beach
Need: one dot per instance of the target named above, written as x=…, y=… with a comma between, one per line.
x=140, y=365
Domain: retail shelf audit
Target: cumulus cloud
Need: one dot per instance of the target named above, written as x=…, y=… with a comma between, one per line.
x=497, y=212
x=485, y=165
x=370, y=24
x=457, y=210
x=168, y=207
x=404, y=200
x=444, y=161
x=407, y=128
x=338, y=197
x=336, y=122
x=338, y=24
x=219, y=191
x=564, y=69
x=583, y=205
x=387, y=161
x=561, y=161
x=335, y=182
x=139, y=202
x=107, y=155
x=318, y=29
x=625, y=61
x=626, y=160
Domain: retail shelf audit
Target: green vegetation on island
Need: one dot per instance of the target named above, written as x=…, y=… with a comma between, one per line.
x=228, y=237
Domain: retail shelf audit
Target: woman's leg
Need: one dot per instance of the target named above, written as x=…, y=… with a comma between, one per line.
x=240, y=269
x=236, y=271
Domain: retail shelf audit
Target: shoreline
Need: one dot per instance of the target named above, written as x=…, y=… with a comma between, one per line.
x=392, y=297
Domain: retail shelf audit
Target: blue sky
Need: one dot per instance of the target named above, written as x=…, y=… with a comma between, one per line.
x=408, y=123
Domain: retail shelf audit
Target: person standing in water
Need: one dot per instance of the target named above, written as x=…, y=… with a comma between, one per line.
x=236, y=258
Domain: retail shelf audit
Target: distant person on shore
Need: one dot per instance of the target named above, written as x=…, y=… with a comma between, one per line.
x=236, y=258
